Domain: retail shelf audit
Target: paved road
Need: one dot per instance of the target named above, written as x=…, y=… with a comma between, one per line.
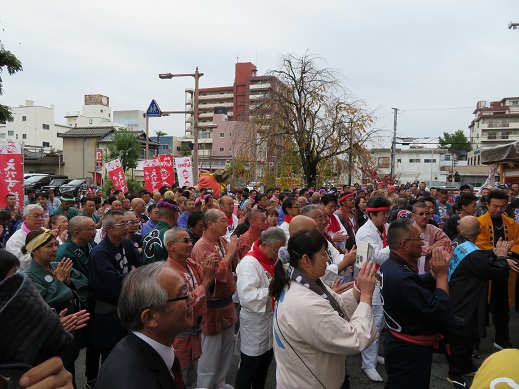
x=357, y=378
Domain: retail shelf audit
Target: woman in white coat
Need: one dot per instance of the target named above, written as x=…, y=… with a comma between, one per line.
x=315, y=328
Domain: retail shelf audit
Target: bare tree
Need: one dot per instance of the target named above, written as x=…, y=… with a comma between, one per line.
x=310, y=106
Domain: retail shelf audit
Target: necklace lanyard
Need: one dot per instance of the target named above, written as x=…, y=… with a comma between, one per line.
x=383, y=236
x=352, y=223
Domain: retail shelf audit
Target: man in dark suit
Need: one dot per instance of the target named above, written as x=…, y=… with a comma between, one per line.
x=154, y=305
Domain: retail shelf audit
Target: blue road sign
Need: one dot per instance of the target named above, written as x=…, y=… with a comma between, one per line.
x=153, y=110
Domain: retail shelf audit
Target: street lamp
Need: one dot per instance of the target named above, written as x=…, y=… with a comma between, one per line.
x=196, y=75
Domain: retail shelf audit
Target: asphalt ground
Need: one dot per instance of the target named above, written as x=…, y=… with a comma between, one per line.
x=357, y=378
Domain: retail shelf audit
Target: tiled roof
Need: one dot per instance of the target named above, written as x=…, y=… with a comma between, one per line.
x=110, y=137
x=87, y=132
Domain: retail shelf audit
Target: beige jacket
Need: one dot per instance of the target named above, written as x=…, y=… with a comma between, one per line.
x=306, y=325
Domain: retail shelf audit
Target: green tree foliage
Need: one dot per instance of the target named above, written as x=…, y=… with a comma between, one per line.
x=455, y=141
x=13, y=65
x=310, y=106
x=133, y=185
x=126, y=147
x=185, y=150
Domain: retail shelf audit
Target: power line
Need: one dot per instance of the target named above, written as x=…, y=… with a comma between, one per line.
x=434, y=109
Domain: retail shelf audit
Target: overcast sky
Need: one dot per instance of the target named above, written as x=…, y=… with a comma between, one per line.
x=431, y=59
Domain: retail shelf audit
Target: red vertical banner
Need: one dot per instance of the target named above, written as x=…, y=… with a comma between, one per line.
x=167, y=173
x=152, y=178
x=116, y=173
x=11, y=173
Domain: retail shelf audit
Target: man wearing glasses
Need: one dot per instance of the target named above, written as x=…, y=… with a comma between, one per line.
x=32, y=221
x=154, y=307
x=108, y=264
x=199, y=278
x=433, y=236
x=416, y=306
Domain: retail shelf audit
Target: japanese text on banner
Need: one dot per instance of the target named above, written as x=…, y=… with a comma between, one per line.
x=11, y=173
x=184, y=171
x=115, y=171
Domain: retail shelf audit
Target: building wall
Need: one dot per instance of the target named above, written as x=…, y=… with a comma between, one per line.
x=96, y=112
x=134, y=120
x=33, y=125
x=79, y=155
x=495, y=123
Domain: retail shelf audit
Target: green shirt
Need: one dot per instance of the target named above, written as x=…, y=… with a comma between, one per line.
x=78, y=255
x=153, y=248
x=70, y=214
x=95, y=217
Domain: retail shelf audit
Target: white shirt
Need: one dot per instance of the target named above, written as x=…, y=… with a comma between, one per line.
x=256, y=307
x=167, y=353
x=370, y=233
x=341, y=245
x=231, y=228
x=14, y=246
x=332, y=269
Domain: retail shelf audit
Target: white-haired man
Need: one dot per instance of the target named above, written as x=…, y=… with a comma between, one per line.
x=32, y=220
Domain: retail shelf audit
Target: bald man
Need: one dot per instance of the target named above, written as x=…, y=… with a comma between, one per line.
x=301, y=223
x=470, y=269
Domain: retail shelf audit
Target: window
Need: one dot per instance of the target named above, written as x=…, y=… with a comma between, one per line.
x=230, y=134
x=492, y=135
x=399, y=160
x=447, y=157
x=24, y=118
x=24, y=136
x=178, y=148
x=230, y=149
x=101, y=110
x=2, y=135
x=90, y=121
x=221, y=149
x=383, y=162
x=222, y=134
x=505, y=134
x=11, y=119
x=46, y=144
x=16, y=136
x=414, y=160
x=429, y=160
x=10, y=133
x=46, y=126
x=200, y=146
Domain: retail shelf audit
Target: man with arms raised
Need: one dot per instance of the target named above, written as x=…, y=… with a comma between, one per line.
x=416, y=306
x=494, y=226
x=218, y=324
x=198, y=278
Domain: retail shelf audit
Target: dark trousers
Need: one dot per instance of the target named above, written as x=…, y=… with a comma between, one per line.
x=407, y=365
x=500, y=309
x=92, y=363
x=253, y=371
x=460, y=358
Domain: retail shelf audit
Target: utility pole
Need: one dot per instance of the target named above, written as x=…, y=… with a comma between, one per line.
x=350, y=154
x=393, y=145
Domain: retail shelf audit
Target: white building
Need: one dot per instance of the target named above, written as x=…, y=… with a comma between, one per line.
x=495, y=123
x=96, y=112
x=134, y=120
x=33, y=125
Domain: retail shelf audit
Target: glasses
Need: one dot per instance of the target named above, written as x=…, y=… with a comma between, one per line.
x=132, y=222
x=421, y=214
x=185, y=241
x=422, y=238
x=123, y=224
x=36, y=216
x=185, y=297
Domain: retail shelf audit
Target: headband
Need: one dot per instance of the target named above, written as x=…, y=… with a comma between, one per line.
x=38, y=241
x=377, y=209
x=346, y=196
x=165, y=204
x=63, y=198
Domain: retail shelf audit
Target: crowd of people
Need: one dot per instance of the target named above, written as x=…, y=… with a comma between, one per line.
x=168, y=286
